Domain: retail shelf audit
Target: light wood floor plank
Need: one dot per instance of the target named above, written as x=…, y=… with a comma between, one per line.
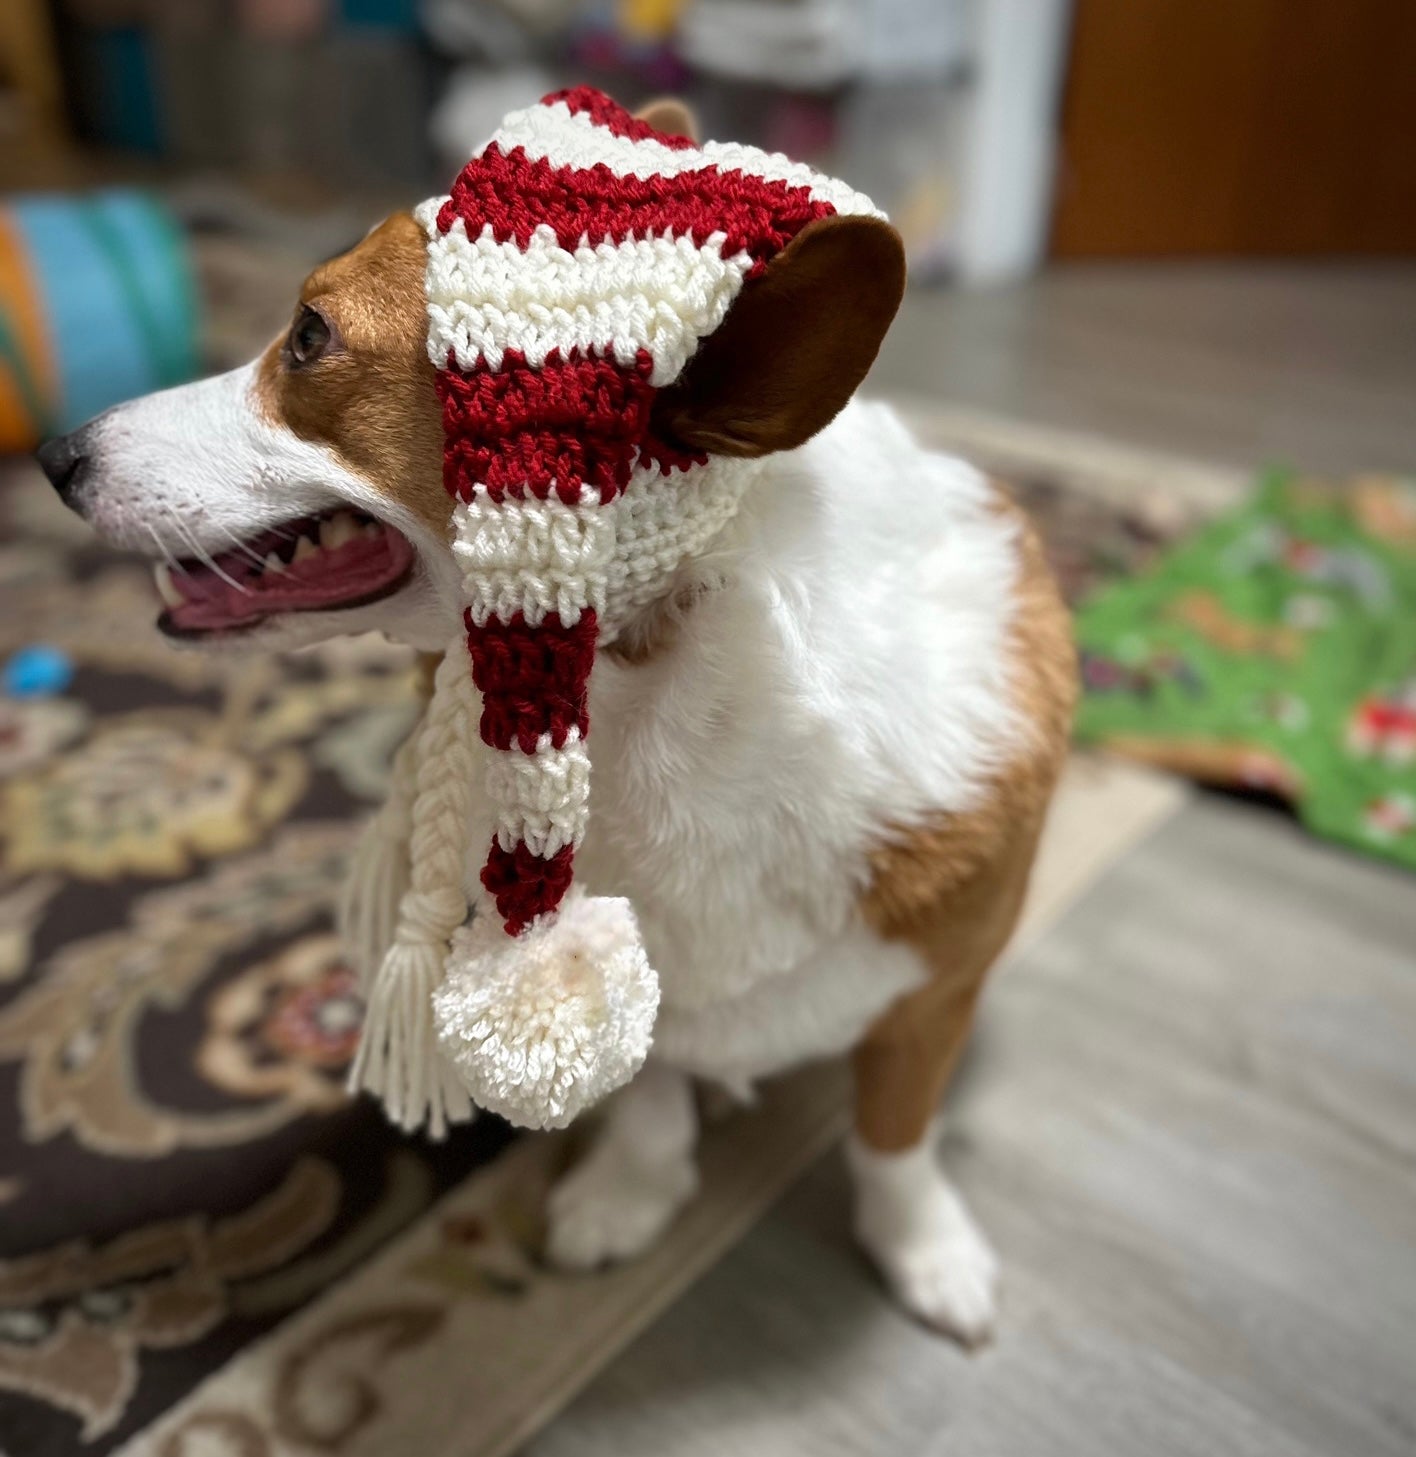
x=1187, y=1126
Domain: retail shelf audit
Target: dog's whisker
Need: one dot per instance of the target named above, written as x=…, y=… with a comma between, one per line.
x=239, y=545
x=182, y=529
x=162, y=546
x=202, y=554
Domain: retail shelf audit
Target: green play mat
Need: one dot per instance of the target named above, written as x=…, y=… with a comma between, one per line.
x=1275, y=651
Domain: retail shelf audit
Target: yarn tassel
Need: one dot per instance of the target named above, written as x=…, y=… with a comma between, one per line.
x=379, y=871
x=399, y=1060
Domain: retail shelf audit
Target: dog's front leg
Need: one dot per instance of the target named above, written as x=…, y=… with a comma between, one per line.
x=638, y=1174
x=908, y=1216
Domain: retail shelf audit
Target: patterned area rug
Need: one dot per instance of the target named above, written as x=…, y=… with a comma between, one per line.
x=181, y=1166
x=204, y=1247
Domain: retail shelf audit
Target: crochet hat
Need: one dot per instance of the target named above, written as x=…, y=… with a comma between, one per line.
x=591, y=447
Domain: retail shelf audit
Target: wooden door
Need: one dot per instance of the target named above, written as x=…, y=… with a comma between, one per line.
x=1239, y=126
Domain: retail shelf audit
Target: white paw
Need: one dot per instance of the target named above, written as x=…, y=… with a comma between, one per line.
x=948, y=1280
x=913, y=1224
x=612, y=1207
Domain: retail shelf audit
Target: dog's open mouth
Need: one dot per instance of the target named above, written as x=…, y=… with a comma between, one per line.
x=315, y=564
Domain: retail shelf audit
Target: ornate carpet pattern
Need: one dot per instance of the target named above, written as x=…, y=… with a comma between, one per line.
x=205, y=1248
x=181, y=1168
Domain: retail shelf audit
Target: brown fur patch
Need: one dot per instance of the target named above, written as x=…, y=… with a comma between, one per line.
x=370, y=398
x=953, y=888
x=915, y=872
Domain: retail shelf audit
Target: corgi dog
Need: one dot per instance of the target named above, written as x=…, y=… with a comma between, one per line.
x=830, y=711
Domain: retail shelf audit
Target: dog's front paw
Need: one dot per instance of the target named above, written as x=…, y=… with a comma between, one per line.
x=613, y=1206
x=948, y=1280
x=913, y=1225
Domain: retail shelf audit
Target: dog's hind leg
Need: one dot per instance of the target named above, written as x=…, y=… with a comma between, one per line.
x=638, y=1174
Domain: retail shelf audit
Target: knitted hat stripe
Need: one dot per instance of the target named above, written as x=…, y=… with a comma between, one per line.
x=508, y=199
x=494, y=297
x=544, y=558
x=597, y=108
x=525, y=886
x=521, y=432
x=541, y=797
x=568, y=135
x=573, y=270
x=533, y=679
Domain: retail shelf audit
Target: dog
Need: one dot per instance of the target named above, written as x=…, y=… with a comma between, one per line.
x=825, y=744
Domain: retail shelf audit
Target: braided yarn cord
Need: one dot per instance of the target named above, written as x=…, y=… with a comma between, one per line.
x=399, y=1060
x=379, y=870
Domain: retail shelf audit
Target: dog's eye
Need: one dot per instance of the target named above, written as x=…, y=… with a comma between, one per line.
x=309, y=337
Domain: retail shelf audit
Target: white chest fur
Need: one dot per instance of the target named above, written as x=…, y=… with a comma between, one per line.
x=847, y=674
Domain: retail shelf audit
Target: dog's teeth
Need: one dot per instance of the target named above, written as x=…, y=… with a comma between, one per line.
x=273, y=563
x=162, y=575
x=304, y=548
x=337, y=529
x=372, y=530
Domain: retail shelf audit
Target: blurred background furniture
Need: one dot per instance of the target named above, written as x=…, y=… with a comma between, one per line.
x=1271, y=127
x=942, y=109
x=34, y=141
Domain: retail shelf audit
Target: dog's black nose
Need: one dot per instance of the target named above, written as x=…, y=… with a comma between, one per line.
x=63, y=460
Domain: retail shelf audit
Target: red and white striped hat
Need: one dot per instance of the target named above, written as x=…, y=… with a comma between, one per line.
x=573, y=270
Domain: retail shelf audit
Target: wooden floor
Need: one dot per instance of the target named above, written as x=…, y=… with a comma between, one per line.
x=1189, y=1122
x=1313, y=365
x=1189, y=1125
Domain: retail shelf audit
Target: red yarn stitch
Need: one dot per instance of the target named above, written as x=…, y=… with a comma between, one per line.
x=526, y=885
x=533, y=680
x=523, y=431
x=613, y=117
x=515, y=196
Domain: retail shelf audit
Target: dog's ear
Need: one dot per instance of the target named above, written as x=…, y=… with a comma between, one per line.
x=794, y=346
x=671, y=116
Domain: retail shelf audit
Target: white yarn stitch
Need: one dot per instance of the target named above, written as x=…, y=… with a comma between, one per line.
x=533, y=557
x=542, y=798
x=661, y=293
x=542, y=557
x=572, y=139
x=545, y=557
x=660, y=522
x=398, y=1058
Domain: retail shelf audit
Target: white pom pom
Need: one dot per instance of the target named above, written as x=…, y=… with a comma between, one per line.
x=542, y=1025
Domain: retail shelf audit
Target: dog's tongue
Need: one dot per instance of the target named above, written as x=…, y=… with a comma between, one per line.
x=333, y=563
